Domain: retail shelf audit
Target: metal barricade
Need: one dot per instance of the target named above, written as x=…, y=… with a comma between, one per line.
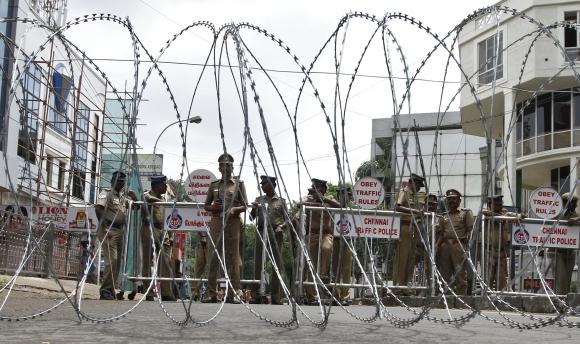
x=525, y=255
x=184, y=218
x=371, y=234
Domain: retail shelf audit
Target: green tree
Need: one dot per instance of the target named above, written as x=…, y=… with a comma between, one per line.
x=178, y=188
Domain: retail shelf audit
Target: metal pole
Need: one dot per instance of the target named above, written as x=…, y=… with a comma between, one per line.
x=432, y=260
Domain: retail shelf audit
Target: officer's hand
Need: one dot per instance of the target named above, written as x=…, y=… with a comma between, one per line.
x=132, y=195
x=572, y=221
x=521, y=217
x=254, y=205
x=279, y=229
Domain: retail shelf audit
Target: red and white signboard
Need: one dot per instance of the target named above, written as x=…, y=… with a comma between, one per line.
x=367, y=226
x=546, y=235
x=187, y=219
x=197, y=184
x=67, y=218
x=546, y=203
x=368, y=193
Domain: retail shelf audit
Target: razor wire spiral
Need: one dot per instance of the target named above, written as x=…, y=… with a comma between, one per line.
x=227, y=45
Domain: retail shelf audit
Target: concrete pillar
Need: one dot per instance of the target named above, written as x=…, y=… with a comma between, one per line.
x=509, y=170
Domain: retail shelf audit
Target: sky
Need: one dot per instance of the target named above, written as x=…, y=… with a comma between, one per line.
x=304, y=26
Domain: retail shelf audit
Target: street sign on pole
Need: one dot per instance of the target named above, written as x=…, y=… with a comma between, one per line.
x=546, y=203
x=197, y=184
x=368, y=193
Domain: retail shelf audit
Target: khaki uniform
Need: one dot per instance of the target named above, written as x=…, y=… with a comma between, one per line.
x=565, y=260
x=162, y=244
x=320, y=228
x=110, y=233
x=455, y=228
x=201, y=252
x=404, y=260
x=232, y=193
x=345, y=272
x=496, y=252
x=275, y=211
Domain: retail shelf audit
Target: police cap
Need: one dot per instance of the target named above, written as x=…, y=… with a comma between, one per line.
x=119, y=176
x=431, y=198
x=495, y=199
x=452, y=193
x=417, y=177
x=318, y=182
x=226, y=158
x=158, y=179
x=268, y=179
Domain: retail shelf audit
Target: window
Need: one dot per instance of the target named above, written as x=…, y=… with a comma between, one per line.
x=558, y=178
x=49, y=164
x=562, y=119
x=571, y=35
x=544, y=118
x=61, y=171
x=61, y=87
x=551, y=121
x=576, y=115
x=487, y=51
x=79, y=163
x=28, y=133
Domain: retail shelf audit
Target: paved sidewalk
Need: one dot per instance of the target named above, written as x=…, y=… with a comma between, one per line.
x=49, y=287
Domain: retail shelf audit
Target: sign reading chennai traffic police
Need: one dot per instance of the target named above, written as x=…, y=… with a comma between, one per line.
x=197, y=184
x=560, y=235
x=546, y=203
x=367, y=226
x=187, y=219
x=368, y=193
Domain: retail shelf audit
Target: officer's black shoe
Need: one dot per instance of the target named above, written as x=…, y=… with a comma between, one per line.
x=120, y=295
x=233, y=300
x=346, y=303
x=212, y=299
x=168, y=298
x=277, y=302
x=149, y=298
x=131, y=295
x=256, y=301
x=105, y=295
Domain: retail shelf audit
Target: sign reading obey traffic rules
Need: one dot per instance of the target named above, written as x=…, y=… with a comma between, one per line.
x=197, y=184
x=368, y=193
x=546, y=203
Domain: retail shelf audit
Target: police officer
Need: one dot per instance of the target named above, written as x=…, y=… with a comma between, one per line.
x=152, y=225
x=201, y=254
x=111, y=210
x=341, y=252
x=226, y=200
x=421, y=254
x=270, y=213
x=404, y=260
x=498, y=241
x=566, y=258
x=455, y=227
x=319, y=234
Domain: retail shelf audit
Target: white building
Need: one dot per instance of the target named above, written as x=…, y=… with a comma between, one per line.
x=541, y=140
x=51, y=127
x=452, y=161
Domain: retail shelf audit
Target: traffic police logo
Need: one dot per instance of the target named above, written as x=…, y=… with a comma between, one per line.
x=344, y=226
x=174, y=220
x=521, y=235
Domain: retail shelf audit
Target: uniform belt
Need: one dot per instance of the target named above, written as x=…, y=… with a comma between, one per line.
x=455, y=241
x=111, y=224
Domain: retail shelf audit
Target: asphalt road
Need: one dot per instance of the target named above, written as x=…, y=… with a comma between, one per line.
x=235, y=324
